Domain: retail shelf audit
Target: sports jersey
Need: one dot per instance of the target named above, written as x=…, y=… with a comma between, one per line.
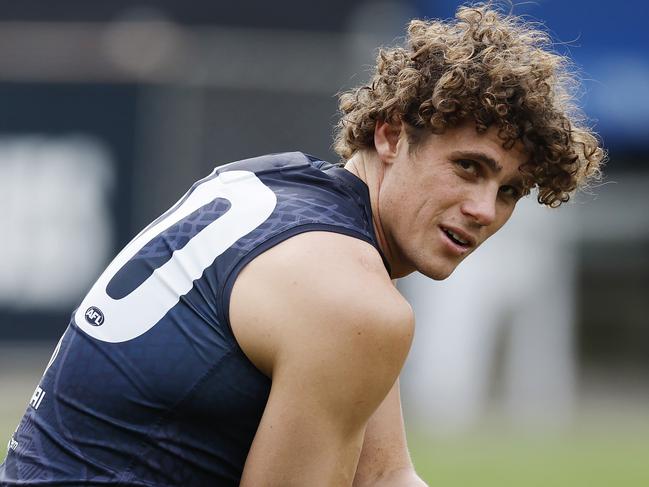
x=148, y=386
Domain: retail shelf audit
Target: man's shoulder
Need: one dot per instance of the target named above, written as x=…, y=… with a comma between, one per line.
x=336, y=267
x=280, y=160
x=315, y=284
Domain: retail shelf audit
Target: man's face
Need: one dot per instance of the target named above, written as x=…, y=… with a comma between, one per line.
x=440, y=202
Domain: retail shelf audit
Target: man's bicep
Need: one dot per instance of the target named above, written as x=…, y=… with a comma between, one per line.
x=321, y=398
x=299, y=442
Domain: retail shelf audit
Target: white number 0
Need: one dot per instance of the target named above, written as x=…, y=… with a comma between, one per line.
x=251, y=203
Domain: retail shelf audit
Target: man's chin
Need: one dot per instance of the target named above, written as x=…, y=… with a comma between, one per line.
x=439, y=274
x=445, y=269
x=439, y=268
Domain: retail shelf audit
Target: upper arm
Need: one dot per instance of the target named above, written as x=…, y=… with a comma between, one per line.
x=333, y=333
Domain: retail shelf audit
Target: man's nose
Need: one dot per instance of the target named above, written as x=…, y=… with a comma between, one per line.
x=481, y=206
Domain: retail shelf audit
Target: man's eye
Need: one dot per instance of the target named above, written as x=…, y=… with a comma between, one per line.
x=468, y=165
x=511, y=191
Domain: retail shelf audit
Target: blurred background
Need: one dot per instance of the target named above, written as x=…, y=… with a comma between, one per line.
x=531, y=363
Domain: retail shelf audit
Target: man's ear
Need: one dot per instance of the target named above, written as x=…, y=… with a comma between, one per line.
x=387, y=138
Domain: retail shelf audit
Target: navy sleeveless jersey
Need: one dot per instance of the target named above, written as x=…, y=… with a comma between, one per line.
x=147, y=386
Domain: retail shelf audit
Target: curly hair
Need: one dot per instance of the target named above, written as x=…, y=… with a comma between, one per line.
x=491, y=67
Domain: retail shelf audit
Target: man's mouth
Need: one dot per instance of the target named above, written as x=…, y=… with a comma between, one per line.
x=461, y=240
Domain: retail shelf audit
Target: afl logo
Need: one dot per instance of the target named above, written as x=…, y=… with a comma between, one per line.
x=94, y=316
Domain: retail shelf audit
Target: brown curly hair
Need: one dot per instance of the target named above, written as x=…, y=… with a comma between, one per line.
x=493, y=68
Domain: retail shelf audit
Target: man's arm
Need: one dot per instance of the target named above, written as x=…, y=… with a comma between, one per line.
x=319, y=315
x=384, y=459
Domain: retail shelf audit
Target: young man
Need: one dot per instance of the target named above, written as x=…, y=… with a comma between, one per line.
x=252, y=334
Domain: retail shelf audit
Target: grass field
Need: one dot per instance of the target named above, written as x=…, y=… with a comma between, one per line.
x=597, y=451
x=580, y=459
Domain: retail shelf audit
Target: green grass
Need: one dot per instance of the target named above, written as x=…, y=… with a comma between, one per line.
x=579, y=459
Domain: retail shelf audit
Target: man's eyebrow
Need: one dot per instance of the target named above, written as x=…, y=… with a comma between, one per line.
x=490, y=162
x=479, y=156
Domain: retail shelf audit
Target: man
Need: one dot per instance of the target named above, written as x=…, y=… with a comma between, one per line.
x=252, y=334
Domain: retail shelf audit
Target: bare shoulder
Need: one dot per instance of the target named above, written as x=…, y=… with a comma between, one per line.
x=317, y=288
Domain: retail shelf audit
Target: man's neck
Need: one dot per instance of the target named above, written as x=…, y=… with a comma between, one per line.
x=367, y=166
